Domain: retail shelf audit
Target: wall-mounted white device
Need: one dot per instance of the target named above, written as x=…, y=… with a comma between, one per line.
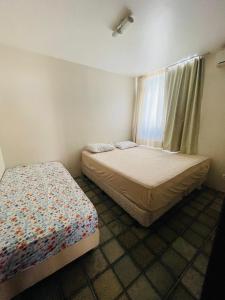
x=122, y=26
x=220, y=58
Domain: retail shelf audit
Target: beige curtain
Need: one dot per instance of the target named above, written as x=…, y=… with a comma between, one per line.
x=183, y=95
x=137, y=103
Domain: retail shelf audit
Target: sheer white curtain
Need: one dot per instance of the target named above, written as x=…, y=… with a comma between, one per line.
x=149, y=117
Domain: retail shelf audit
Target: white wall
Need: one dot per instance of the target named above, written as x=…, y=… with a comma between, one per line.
x=212, y=126
x=50, y=109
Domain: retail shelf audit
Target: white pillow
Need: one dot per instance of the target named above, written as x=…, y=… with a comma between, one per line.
x=99, y=147
x=2, y=164
x=125, y=145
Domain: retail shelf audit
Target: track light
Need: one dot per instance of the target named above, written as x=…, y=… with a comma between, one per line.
x=123, y=25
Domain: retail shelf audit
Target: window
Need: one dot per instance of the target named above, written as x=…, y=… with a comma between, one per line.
x=151, y=115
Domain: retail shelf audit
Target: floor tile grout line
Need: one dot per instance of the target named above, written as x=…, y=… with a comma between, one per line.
x=90, y=284
x=111, y=265
x=116, y=236
x=142, y=271
x=190, y=264
x=178, y=234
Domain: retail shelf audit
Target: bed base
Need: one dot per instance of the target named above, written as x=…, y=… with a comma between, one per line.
x=27, y=278
x=144, y=217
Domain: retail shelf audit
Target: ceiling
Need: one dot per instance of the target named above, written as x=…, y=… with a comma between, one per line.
x=164, y=31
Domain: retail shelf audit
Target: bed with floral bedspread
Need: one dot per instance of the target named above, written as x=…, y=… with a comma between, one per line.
x=42, y=211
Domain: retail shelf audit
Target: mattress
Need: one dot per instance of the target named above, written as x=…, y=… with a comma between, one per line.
x=149, y=178
x=42, y=211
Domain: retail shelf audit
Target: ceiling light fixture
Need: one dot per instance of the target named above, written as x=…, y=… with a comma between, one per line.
x=122, y=26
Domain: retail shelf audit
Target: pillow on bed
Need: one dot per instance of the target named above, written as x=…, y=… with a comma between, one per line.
x=2, y=165
x=99, y=147
x=125, y=145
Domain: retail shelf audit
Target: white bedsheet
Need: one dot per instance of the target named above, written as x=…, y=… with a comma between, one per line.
x=150, y=178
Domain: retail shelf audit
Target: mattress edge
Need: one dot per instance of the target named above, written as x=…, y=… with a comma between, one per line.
x=147, y=186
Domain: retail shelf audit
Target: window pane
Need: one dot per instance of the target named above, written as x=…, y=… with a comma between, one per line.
x=151, y=118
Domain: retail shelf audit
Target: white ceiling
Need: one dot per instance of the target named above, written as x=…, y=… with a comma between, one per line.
x=164, y=31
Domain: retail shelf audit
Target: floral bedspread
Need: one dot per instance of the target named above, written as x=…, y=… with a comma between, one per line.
x=42, y=210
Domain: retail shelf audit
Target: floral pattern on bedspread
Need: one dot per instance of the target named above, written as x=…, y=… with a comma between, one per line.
x=42, y=211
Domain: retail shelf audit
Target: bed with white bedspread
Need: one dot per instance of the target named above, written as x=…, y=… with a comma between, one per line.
x=146, y=182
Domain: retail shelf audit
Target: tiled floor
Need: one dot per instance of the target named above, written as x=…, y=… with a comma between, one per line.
x=166, y=261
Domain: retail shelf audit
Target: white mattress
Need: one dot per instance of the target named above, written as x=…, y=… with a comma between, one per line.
x=150, y=178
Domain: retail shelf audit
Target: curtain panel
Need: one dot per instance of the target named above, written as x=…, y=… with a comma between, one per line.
x=167, y=107
x=183, y=98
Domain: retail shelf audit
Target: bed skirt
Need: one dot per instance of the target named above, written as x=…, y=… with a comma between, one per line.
x=144, y=217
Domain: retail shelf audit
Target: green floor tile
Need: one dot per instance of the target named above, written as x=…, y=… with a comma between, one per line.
x=207, y=248
x=160, y=278
x=112, y=250
x=201, y=263
x=174, y=261
x=85, y=293
x=193, y=238
x=126, y=270
x=72, y=278
x=128, y=239
x=105, y=234
x=155, y=244
x=117, y=210
x=206, y=220
x=126, y=219
x=180, y=293
x=90, y=194
x=117, y=227
x=142, y=255
x=201, y=229
x=140, y=231
x=95, y=263
x=142, y=289
x=108, y=216
x=167, y=234
x=192, y=212
x=101, y=207
x=193, y=281
x=107, y=286
x=178, y=226
x=123, y=297
x=184, y=248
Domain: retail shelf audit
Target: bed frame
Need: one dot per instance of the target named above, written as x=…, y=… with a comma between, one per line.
x=28, y=277
x=144, y=217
